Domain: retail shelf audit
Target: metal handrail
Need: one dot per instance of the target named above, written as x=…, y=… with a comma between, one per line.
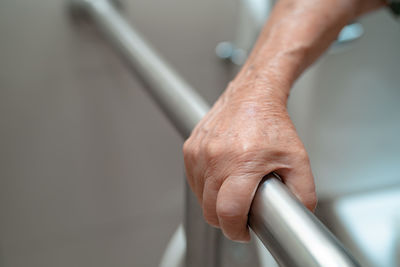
x=293, y=235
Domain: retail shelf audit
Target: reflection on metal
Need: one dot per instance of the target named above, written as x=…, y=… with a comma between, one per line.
x=174, y=255
x=293, y=235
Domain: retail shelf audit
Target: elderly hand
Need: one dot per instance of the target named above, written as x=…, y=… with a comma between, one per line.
x=248, y=132
x=246, y=135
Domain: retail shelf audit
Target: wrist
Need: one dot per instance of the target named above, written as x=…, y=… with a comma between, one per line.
x=258, y=86
x=267, y=78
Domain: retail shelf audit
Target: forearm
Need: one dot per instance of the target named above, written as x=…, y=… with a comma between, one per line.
x=297, y=33
x=248, y=133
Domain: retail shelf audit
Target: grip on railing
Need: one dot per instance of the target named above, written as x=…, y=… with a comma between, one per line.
x=293, y=235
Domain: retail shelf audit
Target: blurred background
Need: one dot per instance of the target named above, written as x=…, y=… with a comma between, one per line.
x=91, y=172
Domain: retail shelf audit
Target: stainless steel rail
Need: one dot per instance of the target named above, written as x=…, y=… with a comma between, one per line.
x=293, y=235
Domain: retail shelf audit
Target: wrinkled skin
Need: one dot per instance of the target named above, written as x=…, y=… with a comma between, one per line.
x=248, y=133
x=239, y=141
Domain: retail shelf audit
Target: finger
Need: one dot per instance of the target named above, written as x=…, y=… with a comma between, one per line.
x=233, y=204
x=194, y=168
x=210, y=193
x=300, y=181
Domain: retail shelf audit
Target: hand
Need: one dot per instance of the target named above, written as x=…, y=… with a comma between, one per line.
x=248, y=132
x=246, y=135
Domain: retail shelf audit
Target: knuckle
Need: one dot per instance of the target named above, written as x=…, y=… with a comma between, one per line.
x=213, y=150
x=187, y=147
x=189, y=150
